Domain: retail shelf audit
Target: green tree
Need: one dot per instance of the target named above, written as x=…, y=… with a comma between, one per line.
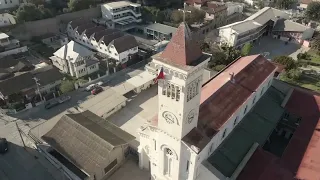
x=66, y=86
x=313, y=11
x=287, y=61
x=260, y=4
x=315, y=43
x=284, y=4
x=28, y=12
x=219, y=67
x=176, y=16
x=77, y=5
x=294, y=74
x=246, y=49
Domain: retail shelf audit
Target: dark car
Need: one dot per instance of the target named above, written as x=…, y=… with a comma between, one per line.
x=97, y=90
x=3, y=145
x=51, y=104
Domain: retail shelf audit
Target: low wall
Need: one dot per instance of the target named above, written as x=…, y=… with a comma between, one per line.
x=14, y=51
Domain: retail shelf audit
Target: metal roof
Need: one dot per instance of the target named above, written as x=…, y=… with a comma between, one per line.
x=256, y=126
x=165, y=29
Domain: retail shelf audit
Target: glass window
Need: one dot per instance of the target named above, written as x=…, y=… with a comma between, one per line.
x=235, y=121
x=178, y=94
x=173, y=92
x=168, y=90
x=224, y=133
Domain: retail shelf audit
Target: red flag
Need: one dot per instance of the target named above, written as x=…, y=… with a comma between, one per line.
x=160, y=76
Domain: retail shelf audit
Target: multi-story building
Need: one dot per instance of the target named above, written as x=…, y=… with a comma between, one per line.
x=123, y=14
x=216, y=11
x=193, y=120
x=9, y=46
x=267, y=21
x=112, y=42
x=75, y=60
x=8, y=4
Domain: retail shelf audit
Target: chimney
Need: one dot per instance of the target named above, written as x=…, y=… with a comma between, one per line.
x=232, y=77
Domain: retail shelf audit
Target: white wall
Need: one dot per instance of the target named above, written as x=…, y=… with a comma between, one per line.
x=227, y=36
x=47, y=87
x=234, y=8
x=6, y=4
x=93, y=68
x=105, y=10
x=307, y=34
x=124, y=56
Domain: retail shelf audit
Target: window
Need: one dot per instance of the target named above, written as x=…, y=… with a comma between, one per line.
x=188, y=163
x=168, y=159
x=262, y=91
x=173, y=92
x=110, y=166
x=245, y=109
x=178, y=94
x=254, y=99
x=224, y=133
x=168, y=90
x=235, y=121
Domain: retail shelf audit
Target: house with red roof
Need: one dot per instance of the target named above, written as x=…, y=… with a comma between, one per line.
x=242, y=124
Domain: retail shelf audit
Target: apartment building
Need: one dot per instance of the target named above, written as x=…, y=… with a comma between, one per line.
x=112, y=42
x=267, y=21
x=75, y=60
x=123, y=14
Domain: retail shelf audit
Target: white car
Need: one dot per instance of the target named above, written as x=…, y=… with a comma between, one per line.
x=90, y=87
x=99, y=83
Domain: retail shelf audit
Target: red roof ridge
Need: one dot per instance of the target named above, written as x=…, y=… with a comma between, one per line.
x=182, y=49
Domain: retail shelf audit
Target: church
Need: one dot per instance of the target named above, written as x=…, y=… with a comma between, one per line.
x=215, y=131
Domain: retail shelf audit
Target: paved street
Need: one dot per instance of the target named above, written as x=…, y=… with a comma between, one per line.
x=23, y=161
x=40, y=112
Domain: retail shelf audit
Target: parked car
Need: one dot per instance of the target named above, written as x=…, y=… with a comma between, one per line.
x=3, y=145
x=52, y=103
x=63, y=99
x=97, y=90
x=92, y=86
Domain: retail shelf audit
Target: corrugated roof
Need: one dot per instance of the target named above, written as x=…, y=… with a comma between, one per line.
x=300, y=160
x=85, y=143
x=256, y=126
x=165, y=29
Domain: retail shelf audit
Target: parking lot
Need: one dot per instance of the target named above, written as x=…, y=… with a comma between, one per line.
x=23, y=161
x=271, y=48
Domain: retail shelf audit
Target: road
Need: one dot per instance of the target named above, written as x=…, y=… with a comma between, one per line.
x=40, y=113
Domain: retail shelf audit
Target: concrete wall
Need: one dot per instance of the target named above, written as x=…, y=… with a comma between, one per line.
x=52, y=25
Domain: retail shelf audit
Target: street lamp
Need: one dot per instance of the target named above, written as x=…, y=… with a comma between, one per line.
x=37, y=83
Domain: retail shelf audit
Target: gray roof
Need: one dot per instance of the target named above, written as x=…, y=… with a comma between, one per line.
x=100, y=34
x=266, y=14
x=83, y=27
x=49, y=76
x=125, y=43
x=110, y=37
x=165, y=29
x=245, y=26
x=85, y=143
x=287, y=25
x=92, y=30
x=16, y=84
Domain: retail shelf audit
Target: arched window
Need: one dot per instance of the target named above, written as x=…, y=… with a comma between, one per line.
x=168, y=162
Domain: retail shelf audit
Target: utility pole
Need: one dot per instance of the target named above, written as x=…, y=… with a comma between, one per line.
x=37, y=83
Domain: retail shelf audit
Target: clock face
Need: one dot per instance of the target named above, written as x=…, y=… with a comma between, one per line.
x=191, y=116
x=169, y=117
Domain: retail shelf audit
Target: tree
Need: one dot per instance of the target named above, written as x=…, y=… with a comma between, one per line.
x=287, y=61
x=219, y=67
x=284, y=4
x=260, y=4
x=28, y=12
x=176, y=16
x=77, y=5
x=294, y=74
x=313, y=11
x=246, y=49
x=315, y=43
x=66, y=86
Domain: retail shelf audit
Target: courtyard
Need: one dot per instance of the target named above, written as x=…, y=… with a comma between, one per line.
x=270, y=48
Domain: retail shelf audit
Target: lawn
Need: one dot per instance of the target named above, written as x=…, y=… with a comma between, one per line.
x=305, y=82
x=315, y=56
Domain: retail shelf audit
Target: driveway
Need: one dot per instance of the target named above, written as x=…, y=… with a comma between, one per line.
x=271, y=48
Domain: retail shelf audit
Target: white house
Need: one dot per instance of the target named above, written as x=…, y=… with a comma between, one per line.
x=6, y=19
x=75, y=60
x=123, y=14
x=112, y=42
x=193, y=120
x=8, y=4
x=267, y=21
x=234, y=7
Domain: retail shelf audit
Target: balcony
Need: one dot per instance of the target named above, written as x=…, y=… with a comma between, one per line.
x=128, y=8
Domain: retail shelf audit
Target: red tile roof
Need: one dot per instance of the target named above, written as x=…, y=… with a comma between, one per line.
x=182, y=49
x=221, y=98
x=301, y=158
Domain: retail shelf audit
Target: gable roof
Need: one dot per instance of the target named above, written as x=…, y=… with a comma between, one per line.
x=16, y=84
x=83, y=27
x=182, y=49
x=85, y=143
x=72, y=50
x=100, y=34
x=110, y=37
x=124, y=43
x=221, y=98
x=92, y=30
x=50, y=75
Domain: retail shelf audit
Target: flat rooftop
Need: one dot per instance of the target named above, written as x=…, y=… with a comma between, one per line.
x=165, y=29
x=119, y=4
x=104, y=102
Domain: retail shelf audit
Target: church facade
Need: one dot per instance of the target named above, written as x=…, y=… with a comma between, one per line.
x=194, y=119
